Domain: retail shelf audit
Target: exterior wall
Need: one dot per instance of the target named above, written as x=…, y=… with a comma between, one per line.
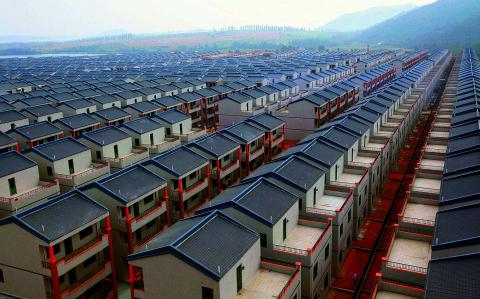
x=21, y=250
x=158, y=137
x=172, y=281
x=124, y=148
x=300, y=120
x=25, y=180
x=52, y=117
x=8, y=126
x=292, y=220
x=230, y=112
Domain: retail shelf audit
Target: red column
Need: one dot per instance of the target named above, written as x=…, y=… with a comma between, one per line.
x=131, y=279
x=129, y=230
x=219, y=171
x=180, y=198
x=55, y=280
x=17, y=147
x=270, y=146
x=62, y=135
x=72, y=133
x=284, y=137
x=112, y=258
x=239, y=157
x=209, y=188
x=247, y=152
x=263, y=145
x=165, y=198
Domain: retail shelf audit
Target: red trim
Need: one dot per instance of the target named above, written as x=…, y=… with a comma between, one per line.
x=209, y=187
x=247, y=152
x=180, y=199
x=219, y=186
x=129, y=230
x=131, y=279
x=17, y=147
x=165, y=198
x=55, y=281
x=112, y=258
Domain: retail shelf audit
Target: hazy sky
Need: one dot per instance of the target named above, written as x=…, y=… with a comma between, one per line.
x=55, y=18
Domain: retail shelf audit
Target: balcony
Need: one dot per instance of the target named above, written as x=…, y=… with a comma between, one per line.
x=354, y=178
x=148, y=215
x=167, y=144
x=43, y=190
x=95, y=171
x=81, y=254
x=418, y=212
x=272, y=281
x=388, y=290
x=257, y=153
x=137, y=155
x=407, y=258
x=426, y=185
x=279, y=138
x=226, y=170
x=82, y=285
x=303, y=241
x=331, y=203
x=432, y=164
x=193, y=134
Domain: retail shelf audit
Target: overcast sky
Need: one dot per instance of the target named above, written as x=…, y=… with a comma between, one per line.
x=59, y=18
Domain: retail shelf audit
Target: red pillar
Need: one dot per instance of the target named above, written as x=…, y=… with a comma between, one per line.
x=17, y=147
x=247, y=152
x=270, y=146
x=219, y=171
x=131, y=279
x=263, y=145
x=284, y=137
x=129, y=230
x=55, y=280
x=62, y=135
x=239, y=157
x=112, y=258
x=209, y=188
x=72, y=133
x=180, y=199
x=165, y=198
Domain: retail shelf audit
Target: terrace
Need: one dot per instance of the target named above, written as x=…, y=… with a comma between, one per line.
x=193, y=134
x=426, y=185
x=271, y=281
x=138, y=154
x=407, y=258
x=95, y=171
x=17, y=201
x=167, y=144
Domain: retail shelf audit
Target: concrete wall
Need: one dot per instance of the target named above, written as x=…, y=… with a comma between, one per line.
x=4, y=127
x=25, y=180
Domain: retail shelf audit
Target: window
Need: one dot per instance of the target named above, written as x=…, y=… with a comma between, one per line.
x=89, y=261
x=49, y=171
x=341, y=229
x=263, y=240
x=12, y=186
x=327, y=251
x=207, y=293
x=193, y=175
x=148, y=199
x=150, y=224
x=56, y=248
x=86, y=232
x=2, y=279
x=315, y=271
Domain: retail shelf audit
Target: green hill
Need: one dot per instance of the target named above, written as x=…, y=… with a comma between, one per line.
x=453, y=24
x=364, y=19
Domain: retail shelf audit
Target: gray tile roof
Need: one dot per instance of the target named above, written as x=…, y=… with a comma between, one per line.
x=105, y=136
x=126, y=186
x=60, y=149
x=13, y=162
x=212, y=243
x=180, y=161
x=60, y=215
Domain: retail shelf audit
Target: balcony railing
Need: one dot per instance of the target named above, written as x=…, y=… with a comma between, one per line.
x=313, y=210
x=96, y=170
x=292, y=279
x=137, y=154
x=230, y=166
x=44, y=189
x=407, y=267
x=417, y=221
x=290, y=250
x=89, y=279
x=195, y=186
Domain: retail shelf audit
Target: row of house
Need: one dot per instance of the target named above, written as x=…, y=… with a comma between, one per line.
x=305, y=206
x=454, y=253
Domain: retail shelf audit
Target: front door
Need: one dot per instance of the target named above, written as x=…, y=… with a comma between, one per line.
x=115, y=150
x=151, y=139
x=12, y=186
x=284, y=228
x=71, y=168
x=239, y=278
x=181, y=129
